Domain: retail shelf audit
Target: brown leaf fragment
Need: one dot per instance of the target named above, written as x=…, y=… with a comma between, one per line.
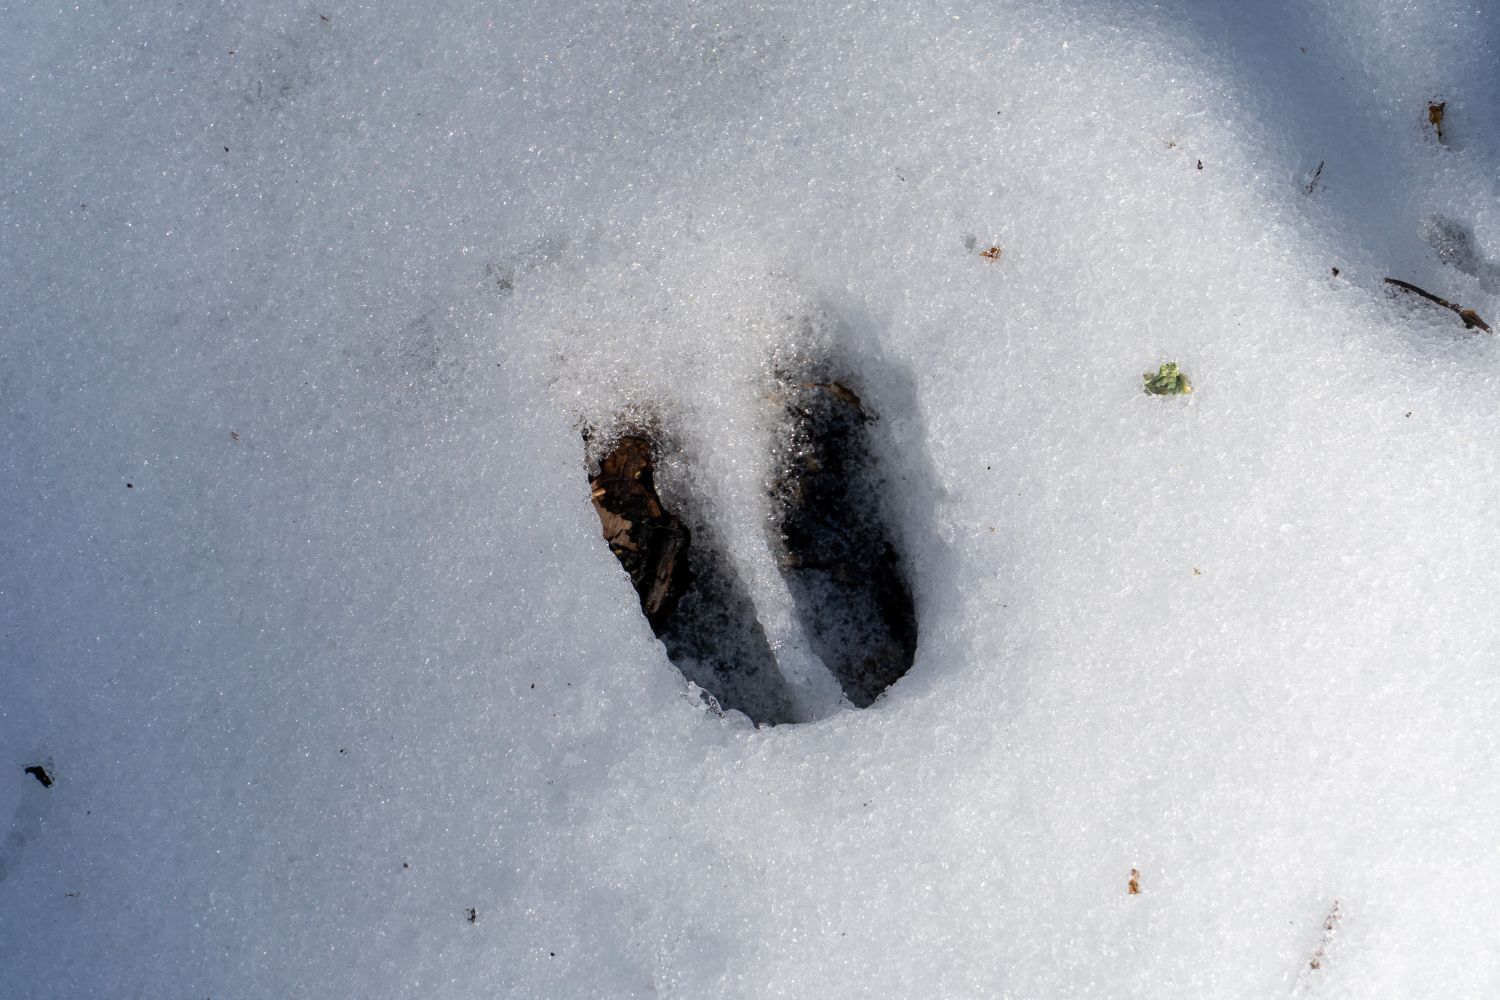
x=1435, y=118
x=1135, y=882
x=616, y=530
x=650, y=543
x=993, y=253
x=1471, y=319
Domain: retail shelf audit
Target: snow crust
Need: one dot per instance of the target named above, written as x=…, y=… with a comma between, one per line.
x=303, y=604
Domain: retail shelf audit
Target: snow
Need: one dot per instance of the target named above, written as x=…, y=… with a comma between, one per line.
x=304, y=607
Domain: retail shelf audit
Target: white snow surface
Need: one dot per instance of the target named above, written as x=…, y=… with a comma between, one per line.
x=305, y=609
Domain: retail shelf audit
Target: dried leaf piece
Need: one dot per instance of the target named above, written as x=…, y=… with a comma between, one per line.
x=1135, y=882
x=1168, y=381
x=993, y=253
x=1470, y=317
x=1471, y=320
x=650, y=543
x=1435, y=118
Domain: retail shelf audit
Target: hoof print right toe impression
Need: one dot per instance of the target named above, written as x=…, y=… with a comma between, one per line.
x=837, y=556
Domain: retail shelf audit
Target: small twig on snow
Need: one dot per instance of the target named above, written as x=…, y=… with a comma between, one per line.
x=1312, y=185
x=1470, y=317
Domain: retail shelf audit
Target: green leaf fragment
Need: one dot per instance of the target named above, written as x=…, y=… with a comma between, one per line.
x=1167, y=381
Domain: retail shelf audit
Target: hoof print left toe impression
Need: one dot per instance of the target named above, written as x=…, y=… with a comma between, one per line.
x=689, y=591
